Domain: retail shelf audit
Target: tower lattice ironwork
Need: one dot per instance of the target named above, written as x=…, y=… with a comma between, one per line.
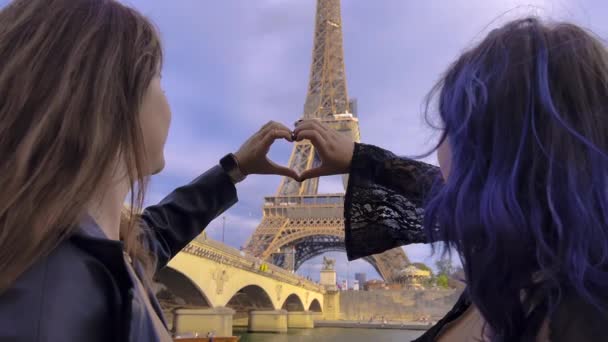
x=298, y=223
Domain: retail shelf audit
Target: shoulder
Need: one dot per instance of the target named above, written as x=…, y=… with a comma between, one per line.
x=65, y=296
x=577, y=320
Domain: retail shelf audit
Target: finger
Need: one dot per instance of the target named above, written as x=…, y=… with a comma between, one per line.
x=320, y=124
x=313, y=120
x=305, y=120
x=273, y=125
x=268, y=124
x=261, y=132
x=273, y=135
x=314, y=125
x=315, y=173
x=284, y=128
x=305, y=123
x=279, y=127
x=309, y=126
x=274, y=168
x=314, y=136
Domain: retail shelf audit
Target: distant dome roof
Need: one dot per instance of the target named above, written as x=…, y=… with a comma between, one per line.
x=413, y=271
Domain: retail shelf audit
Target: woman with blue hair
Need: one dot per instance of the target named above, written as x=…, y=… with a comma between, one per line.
x=522, y=189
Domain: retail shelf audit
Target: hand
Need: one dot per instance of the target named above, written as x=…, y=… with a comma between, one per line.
x=335, y=149
x=252, y=158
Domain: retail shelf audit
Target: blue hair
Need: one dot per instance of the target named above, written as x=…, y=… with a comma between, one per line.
x=525, y=114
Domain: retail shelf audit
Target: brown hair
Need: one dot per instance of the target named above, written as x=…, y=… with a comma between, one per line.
x=72, y=78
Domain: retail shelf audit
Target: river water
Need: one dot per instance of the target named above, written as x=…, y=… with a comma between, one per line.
x=331, y=334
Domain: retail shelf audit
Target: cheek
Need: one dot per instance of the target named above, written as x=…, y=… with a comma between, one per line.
x=160, y=115
x=163, y=110
x=167, y=114
x=444, y=157
x=156, y=118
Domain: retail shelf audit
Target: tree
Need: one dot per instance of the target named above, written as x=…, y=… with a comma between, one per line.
x=458, y=273
x=429, y=282
x=458, y=269
x=444, y=265
x=442, y=281
x=445, y=269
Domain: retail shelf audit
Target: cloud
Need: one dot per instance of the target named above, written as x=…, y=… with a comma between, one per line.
x=233, y=65
x=331, y=185
x=235, y=228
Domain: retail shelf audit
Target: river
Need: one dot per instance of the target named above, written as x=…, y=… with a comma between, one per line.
x=331, y=334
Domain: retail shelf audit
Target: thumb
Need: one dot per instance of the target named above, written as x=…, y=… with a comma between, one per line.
x=314, y=173
x=282, y=170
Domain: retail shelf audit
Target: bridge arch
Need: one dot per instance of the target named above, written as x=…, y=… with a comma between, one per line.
x=293, y=303
x=175, y=289
x=316, y=240
x=250, y=297
x=315, y=306
x=318, y=249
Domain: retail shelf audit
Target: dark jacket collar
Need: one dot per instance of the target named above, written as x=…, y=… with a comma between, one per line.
x=89, y=228
x=90, y=238
x=110, y=252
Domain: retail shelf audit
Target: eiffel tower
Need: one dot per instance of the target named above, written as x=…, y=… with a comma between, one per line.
x=298, y=223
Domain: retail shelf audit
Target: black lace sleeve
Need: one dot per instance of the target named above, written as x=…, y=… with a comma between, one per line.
x=383, y=204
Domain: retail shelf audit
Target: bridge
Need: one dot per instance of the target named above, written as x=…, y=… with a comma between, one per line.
x=210, y=286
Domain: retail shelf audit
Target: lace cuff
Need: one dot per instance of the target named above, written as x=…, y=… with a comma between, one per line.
x=383, y=208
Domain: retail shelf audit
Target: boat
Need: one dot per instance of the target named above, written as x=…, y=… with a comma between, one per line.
x=207, y=339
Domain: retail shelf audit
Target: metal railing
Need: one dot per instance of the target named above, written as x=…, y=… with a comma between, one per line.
x=223, y=254
x=325, y=200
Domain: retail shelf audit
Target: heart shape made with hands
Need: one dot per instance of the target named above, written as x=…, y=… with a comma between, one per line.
x=335, y=150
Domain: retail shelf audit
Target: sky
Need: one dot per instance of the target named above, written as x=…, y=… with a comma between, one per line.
x=232, y=65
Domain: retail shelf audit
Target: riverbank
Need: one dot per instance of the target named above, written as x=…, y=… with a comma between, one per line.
x=330, y=335
x=373, y=325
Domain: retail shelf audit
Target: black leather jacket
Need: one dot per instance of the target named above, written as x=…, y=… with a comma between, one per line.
x=82, y=290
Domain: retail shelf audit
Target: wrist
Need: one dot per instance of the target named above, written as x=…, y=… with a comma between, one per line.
x=230, y=164
x=351, y=157
x=238, y=158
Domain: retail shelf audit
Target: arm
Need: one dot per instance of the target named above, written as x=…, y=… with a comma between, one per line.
x=183, y=215
x=383, y=208
x=185, y=212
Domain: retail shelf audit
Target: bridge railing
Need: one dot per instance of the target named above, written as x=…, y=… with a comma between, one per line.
x=223, y=254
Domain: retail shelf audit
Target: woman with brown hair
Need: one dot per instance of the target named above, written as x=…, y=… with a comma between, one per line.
x=83, y=122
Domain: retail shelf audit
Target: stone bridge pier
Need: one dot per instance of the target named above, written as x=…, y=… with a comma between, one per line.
x=209, y=287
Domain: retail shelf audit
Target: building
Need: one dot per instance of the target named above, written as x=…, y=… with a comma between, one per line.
x=412, y=277
x=394, y=286
x=361, y=278
x=375, y=285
